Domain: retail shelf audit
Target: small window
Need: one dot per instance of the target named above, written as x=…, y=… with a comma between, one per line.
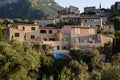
x=77, y=30
x=52, y=39
x=32, y=28
x=85, y=20
x=90, y=40
x=25, y=37
x=58, y=47
x=50, y=31
x=91, y=31
x=44, y=39
x=32, y=36
x=110, y=40
x=42, y=31
x=17, y=35
x=23, y=28
x=91, y=20
x=77, y=39
x=65, y=39
x=96, y=20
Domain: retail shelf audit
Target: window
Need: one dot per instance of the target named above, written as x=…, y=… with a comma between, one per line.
x=96, y=20
x=77, y=30
x=23, y=28
x=64, y=47
x=44, y=39
x=32, y=28
x=17, y=35
x=24, y=37
x=91, y=31
x=90, y=40
x=85, y=21
x=44, y=24
x=77, y=39
x=91, y=20
x=110, y=40
x=58, y=47
x=42, y=31
x=52, y=39
x=64, y=39
x=32, y=36
x=91, y=25
x=50, y=31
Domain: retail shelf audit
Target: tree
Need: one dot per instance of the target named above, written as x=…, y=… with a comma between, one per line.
x=1, y=21
x=46, y=48
x=37, y=47
x=8, y=21
x=91, y=58
x=108, y=32
x=16, y=63
x=1, y=35
x=42, y=48
x=116, y=42
x=76, y=54
x=44, y=77
x=116, y=59
x=107, y=50
x=46, y=69
x=112, y=73
x=61, y=23
x=18, y=20
x=95, y=76
x=79, y=69
x=26, y=21
x=65, y=74
x=116, y=22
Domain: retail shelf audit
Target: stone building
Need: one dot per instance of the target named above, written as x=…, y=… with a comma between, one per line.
x=82, y=37
x=89, y=9
x=75, y=36
x=93, y=20
x=70, y=15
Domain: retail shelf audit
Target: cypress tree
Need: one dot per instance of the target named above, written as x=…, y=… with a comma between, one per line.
x=1, y=35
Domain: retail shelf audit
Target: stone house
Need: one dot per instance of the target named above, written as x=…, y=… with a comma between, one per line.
x=67, y=37
x=69, y=14
x=81, y=37
x=89, y=9
x=33, y=33
x=93, y=20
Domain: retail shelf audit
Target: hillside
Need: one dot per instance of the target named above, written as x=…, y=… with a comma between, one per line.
x=28, y=9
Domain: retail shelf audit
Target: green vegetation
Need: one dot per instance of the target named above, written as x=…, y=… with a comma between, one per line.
x=42, y=48
x=116, y=42
x=106, y=31
x=1, y=35
x=116, y=22
x=6, y=22
x=107, y=51
x=112, y=73
x=29, y=9
x=24, y=61
x=18, y=61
